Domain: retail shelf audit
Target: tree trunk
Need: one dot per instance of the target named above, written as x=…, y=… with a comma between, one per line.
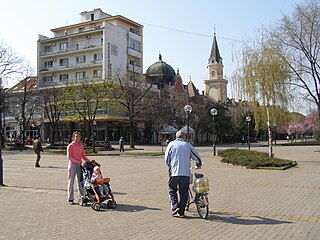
x=131, y=133
x=269, y=134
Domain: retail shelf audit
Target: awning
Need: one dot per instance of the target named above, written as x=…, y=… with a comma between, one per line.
x=185, y=128
x=168, y=130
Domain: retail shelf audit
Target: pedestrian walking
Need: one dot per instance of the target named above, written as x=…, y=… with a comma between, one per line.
x=121, y=144
x=177, y=157
x=37, y=148
x=75, y=155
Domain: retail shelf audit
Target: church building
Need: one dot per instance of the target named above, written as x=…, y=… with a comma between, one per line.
x=215, y=87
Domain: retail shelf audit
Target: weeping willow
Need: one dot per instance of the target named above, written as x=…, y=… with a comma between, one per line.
x=263, y=82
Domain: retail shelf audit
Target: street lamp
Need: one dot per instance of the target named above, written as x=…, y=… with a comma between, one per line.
x=94, y=123
x=188, y=110
x=248, y=119
x=21, y=138
x=214, y=112
x=1, y=130
x=1, y=160
x=275, y=133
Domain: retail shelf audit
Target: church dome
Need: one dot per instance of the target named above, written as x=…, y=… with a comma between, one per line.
x=161, y=73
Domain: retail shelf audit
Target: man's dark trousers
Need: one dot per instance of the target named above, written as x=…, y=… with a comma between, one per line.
x=38, y=158
x=180, y=183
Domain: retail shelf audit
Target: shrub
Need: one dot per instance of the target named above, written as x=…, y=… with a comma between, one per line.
x=252, y=159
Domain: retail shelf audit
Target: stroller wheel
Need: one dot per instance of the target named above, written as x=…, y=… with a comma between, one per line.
x=82, y=202
x=96, y=206
x=111, y=204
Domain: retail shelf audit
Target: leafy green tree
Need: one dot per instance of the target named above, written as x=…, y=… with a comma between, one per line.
x=202, y=121
x=84, y=100
x=263, y=78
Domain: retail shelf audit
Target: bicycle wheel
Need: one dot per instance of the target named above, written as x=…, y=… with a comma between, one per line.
x=202, y=205
x=190, y=199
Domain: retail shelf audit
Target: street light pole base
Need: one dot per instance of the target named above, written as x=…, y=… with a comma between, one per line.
x=214, y=150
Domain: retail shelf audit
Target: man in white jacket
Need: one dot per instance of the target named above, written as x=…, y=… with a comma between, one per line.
x=177, y=157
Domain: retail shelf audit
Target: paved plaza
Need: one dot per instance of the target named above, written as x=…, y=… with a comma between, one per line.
x=244, y=203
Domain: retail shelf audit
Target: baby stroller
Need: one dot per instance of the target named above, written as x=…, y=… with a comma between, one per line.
x=91, y=189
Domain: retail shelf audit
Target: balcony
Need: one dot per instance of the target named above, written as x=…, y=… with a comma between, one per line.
x=57, y=52
x=134, y=68
x=73, y=65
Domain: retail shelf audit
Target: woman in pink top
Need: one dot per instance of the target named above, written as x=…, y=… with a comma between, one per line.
x=75, y=155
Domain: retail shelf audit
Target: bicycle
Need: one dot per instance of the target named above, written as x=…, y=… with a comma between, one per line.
x=201, y=189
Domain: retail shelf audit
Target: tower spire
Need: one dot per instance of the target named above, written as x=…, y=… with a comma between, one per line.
x=215, y=54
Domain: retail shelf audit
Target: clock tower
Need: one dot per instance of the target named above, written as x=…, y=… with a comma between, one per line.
x=215, y=87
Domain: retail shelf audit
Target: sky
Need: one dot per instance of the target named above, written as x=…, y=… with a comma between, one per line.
x=182, y=31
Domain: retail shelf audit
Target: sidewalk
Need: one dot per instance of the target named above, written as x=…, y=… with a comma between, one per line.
x=244, y=203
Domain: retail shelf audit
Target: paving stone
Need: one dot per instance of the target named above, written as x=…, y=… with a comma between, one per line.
x=244, y=203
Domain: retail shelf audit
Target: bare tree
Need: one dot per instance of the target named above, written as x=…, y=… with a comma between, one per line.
x=164, y=108
x=54, y=106
x=132, y=94
x=28, y=104
x=298, y=38
x=10, y=63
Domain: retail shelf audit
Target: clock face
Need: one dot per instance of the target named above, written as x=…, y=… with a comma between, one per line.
x=114, y=49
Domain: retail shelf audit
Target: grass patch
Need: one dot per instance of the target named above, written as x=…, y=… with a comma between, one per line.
x=252, y=159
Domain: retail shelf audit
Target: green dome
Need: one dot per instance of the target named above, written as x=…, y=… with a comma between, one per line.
x=161, y=73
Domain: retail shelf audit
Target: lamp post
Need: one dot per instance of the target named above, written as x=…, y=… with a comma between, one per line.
x=275, y=133
x=1, y=160
x=94, y=123
x=188, y=110
x=248, y=119
x=214, y=112
x=21, y=138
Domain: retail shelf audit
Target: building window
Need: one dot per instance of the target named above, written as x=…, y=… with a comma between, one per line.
x=63, y=77
x=96, y=41
x=80, y=75
x=81, y=59
x=134, y=44
x=97, y=56
x=48, y=64
x=97, y=73
x=212, y=74
x=63, y=62
x=132, y=62
x=80, y=44
x=63, y=46
x=47, y=79
x=48, y=49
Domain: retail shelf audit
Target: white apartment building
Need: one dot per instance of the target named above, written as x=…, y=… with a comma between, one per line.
x=100, y=45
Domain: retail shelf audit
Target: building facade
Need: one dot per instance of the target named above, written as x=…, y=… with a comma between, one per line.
x=215, y=87
x=100, y=45
x=104, y=46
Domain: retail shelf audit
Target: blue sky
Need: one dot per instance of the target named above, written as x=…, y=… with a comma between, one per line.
x=180, y=30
